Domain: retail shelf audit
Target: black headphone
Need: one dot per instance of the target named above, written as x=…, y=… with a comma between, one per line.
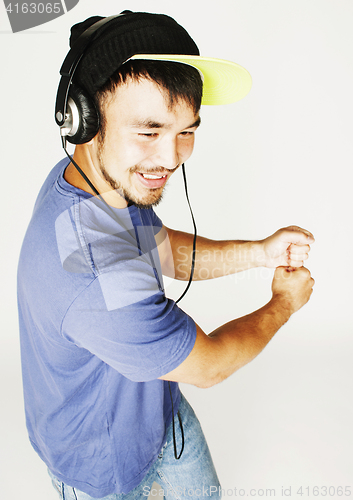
x=75, y=111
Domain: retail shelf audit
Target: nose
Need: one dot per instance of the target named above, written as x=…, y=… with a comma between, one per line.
x=167, y=154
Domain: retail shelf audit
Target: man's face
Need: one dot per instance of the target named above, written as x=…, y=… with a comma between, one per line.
x=145, y=141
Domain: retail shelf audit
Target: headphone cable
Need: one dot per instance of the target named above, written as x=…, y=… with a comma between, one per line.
x=81, y=172
x=194, y=240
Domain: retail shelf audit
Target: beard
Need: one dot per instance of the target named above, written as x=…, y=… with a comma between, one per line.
x=154, y=196
x=151, y=200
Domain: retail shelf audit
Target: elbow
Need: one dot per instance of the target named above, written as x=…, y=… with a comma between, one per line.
x=210, y=378
x=207, y=380
x=204, y=384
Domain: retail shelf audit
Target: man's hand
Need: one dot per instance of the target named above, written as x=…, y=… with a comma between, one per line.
x=289, y=246
x=292, y=287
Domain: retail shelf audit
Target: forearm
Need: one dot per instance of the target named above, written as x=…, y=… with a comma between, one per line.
x=238, y=342
x=213, y=258
x=217, y=355
x=287, y=247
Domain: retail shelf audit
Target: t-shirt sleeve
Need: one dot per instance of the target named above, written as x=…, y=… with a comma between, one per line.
x=142, y=339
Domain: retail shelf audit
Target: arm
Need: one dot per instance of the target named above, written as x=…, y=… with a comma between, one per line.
x=287, y=247
x=216, y=356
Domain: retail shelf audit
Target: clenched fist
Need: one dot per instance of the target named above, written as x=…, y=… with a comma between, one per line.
x=289, y=246
x=292, y=286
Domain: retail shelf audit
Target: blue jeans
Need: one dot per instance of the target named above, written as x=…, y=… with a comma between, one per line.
x=192, y=476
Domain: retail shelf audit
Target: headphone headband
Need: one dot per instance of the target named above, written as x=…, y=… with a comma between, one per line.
x=70, y=64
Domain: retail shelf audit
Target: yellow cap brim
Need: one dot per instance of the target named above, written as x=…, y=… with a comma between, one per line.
x=224, y=81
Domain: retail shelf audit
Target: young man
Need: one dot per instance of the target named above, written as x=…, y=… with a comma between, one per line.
x=103, y=348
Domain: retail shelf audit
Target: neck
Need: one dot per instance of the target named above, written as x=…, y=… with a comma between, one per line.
x=83, y=157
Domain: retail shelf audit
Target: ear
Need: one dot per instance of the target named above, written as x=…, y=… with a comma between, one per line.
x=84, y=115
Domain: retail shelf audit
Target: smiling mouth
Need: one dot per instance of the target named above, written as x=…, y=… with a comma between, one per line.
x=153, y=176
x=152, y=181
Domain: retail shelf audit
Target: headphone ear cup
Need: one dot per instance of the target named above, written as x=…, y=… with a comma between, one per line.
x=84, y=115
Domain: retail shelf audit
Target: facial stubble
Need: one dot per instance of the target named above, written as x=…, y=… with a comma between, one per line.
x=153, y=199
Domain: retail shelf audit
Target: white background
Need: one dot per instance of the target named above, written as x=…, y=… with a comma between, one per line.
x=281, y=156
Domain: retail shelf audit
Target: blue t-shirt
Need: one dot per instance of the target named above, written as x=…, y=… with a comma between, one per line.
x=96, y=333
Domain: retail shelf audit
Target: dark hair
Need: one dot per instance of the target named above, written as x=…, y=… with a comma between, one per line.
x=181, y=81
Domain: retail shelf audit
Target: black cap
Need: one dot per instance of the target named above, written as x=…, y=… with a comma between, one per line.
x=126, y=35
